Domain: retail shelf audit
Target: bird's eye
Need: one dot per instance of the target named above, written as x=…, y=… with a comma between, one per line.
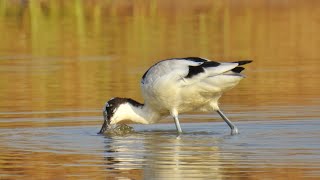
x=106, y=106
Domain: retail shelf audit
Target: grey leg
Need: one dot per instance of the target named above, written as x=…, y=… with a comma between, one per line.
x=176, y=121
x=234, y=129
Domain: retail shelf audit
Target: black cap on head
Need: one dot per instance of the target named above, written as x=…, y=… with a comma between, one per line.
x=107, y=112
x=111, y=107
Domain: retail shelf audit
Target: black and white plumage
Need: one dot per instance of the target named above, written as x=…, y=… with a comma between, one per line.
x=175, y=86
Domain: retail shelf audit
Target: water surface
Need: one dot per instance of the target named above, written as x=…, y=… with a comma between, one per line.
x=263, y=149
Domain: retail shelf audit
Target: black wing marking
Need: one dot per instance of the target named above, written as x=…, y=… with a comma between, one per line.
x=237, y=69
x=243, y=62
x=194, y=70
x=144, y=75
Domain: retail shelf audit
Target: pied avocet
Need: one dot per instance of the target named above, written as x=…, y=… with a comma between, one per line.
x=174, y=86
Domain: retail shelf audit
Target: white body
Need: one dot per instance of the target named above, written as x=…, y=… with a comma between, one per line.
x=166, y=90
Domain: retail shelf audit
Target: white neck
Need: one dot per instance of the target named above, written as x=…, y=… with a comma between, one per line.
x=138, y=114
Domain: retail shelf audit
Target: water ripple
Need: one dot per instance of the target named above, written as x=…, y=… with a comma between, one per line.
x=205, y=150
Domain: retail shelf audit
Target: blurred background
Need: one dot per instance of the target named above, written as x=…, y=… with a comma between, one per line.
x=61, y=60
x=67, y=58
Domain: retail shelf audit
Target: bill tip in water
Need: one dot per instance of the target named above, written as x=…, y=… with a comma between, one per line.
x=119, y=129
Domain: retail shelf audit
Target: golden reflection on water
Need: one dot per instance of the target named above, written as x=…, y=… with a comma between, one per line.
x=61, y=60
x=46, y=165
x=201, y=153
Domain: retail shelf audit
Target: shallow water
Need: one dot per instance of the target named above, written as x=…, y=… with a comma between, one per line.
x=60, y=61
x=263, y=149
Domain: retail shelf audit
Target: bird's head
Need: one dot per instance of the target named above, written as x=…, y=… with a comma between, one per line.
x=108, y=111
x=115, y=110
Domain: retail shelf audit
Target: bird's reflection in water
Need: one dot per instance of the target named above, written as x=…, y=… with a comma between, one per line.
x=157, y=154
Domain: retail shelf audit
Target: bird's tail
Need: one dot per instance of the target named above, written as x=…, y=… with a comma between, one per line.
x=238, y=69
x=243, y=62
